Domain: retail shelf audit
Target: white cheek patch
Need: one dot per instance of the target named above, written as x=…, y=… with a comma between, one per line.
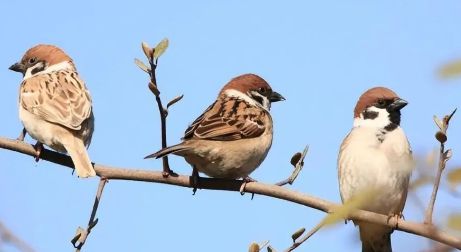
x=265, y=102
x=381, y=121
x=30, y=69
x=56, y=67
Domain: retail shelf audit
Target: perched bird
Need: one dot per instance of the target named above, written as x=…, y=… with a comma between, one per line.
x=55, y=105
x=376, y=156
x=233, y=136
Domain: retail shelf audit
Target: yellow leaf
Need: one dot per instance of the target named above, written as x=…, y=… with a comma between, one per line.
x=421, y=181
x=160, y=48
x=454, y=221
x=450, y=69
x=342, y=212
x=254, y=247
x=454, y=177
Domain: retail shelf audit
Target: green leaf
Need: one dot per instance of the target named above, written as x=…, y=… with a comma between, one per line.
x=451, y=69
x=141, y=65
x=160, y=48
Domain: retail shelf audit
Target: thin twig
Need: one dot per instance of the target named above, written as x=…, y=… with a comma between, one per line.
x=154, y=89
x=298, y=166
x=273, y=191
x=8, y=236
x=443, y=158
x=82, y=234
x=305, y=237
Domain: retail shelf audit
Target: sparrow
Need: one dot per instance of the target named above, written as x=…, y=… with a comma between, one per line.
x=234, y=134
x=55, y=106
x=376, y=156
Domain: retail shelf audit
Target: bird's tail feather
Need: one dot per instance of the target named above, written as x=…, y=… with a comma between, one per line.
x=166, y=151
x=375, y=238
x=82, y=163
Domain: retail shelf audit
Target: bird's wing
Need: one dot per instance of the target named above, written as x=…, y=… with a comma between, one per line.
x=58, y=97
x=228, y=119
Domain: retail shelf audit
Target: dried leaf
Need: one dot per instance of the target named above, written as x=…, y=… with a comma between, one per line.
x=254, y=247
x=147, y=50
x=441, y=137
x=447, y=118
x=438, y=122
x=454, y=221
x=160, y=48
x=270, y=249
x=174, y=100
x=343, y=211
x=451, y=69
x=297, y=234
x=454, y=177
x=141, y=65
x=295, y=158
x=153, y=88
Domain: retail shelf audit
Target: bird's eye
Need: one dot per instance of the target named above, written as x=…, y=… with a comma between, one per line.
x=262, y=90
x=381, y=102
x=32, y=60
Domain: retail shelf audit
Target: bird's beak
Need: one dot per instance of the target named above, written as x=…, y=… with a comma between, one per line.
x=275, y=97
x=18, y=67
x=398, y=104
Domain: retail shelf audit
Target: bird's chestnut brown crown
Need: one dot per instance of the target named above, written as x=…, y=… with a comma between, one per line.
x=254, y=86
x=380, y=97
x=44, y=55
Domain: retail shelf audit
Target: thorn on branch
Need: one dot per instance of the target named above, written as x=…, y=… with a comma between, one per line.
x=298, y=162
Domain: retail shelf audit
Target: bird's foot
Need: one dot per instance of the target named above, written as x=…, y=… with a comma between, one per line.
x=246, y=180
x=395, y=217
x=194, y=180
x=38, y=150
x=22, y=135
x=168, y=172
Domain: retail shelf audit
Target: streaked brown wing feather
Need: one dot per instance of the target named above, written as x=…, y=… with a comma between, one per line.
x=220, y=121
x=59, y=97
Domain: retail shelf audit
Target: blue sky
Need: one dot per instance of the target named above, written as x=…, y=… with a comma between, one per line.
x=320, y=55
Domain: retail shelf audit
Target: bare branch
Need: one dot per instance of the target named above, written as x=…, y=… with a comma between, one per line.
x=298, y=162
x=82, y=234
x=444, y=156
x=8, y=236
x=273, y=191
x=152, y=56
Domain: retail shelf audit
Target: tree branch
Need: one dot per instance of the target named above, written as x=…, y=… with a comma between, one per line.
x=8, y=236
x=273, y=191
x=444, y=156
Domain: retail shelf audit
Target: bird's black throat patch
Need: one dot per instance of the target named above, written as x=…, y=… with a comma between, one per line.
x=394, y=117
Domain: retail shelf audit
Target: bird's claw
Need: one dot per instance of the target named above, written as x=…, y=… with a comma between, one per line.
x=194, y=180
x=246, y=180
x=38, y=150
x=397, y=217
